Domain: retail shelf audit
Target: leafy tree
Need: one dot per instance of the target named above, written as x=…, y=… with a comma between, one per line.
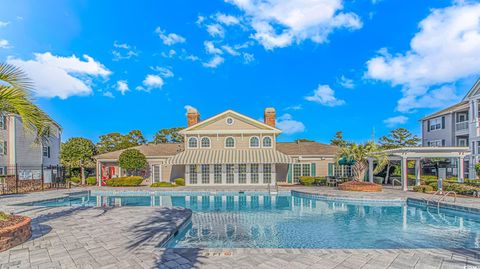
x=132, y=160
x=116, y=141
x=168, y=135
x=15, y=90
x=78, y=152
x=338, y=140
x=303, y=140
x=398, y=138
x=358, y=154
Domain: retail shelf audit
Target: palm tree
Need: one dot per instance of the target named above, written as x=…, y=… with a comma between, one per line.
x=15, y=97
x=358, y=154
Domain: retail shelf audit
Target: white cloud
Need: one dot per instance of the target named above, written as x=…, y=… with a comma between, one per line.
x=169, y=39
x=56, y=76
x=324, y=95
x=445, y=50
x=200, y=20
x=211, y=49
x=123, y=51
x=434, y=98
x=122, y=86
x=192, y=58
x=230, y=50
x=4, y=44
x=153, y=82
x=108, y=94
x=279, y=23
x=163, y=71
x=395, y=121
x=346, y=82
x=170, y=54
x=226, y=19
x=215, y=30
x=187, y=107
x=214, y=62
x=288, y=125
x=4, y=23
x=248, y=57
x=294, y=107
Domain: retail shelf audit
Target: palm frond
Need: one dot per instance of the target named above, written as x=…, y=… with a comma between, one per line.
x=15, y=77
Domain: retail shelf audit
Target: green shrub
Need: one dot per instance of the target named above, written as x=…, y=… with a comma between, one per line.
x=321, y=181
x=180, y=181
x=434, y=185
x=462, y=189
x=91, y=180
x=162, y=184
x=75, y=179
x=306, y=181
x=4, y=216
x=423, y=188
x=125, y=181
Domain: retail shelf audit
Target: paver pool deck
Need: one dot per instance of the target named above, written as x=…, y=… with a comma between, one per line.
x=129, y=237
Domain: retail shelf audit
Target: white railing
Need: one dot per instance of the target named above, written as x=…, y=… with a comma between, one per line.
x=461, y=126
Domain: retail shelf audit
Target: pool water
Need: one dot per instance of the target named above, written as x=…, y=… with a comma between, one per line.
x=260, y=220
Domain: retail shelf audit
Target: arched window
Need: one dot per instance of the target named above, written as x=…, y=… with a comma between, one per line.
x=205, y=142
x=192, y=142
x=254, y=142
x=229, y=142
x=267, y=142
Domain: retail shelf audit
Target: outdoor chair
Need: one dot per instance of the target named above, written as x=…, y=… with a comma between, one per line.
x=332, y=181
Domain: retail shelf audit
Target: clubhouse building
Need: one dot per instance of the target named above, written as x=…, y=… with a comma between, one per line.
x=230, y=149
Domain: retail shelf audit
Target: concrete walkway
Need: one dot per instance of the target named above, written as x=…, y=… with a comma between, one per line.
x=129, y=237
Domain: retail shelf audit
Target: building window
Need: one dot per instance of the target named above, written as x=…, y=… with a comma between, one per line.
x=229, y=142
x=435, y=124
x=254, y=142
x=267, y=173
x=217, y=174
x=267, y=142
x=205, y=142
x=205, y=174
x=193, y=174
x=343, y=171
x=306, y=169
x=229, y=121
x=230, y=175
x=436, y=143
x=192, y=142
x=46, y=151
x=3, y=122
x=297, y=172
x=156, y=173
x=254, y=173
x=242, y=173
x=3, y=170
x=3, y=147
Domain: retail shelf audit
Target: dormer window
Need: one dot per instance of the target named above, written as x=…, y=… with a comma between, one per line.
x=229, y=142
x=205, y=142
x=192, y=142
x=267, y=142
x=254, y=142
x=229, y=121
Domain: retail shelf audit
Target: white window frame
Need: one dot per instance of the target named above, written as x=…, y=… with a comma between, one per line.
x=465, y=142
x=188, y=142
x=209, y=142
x=250, y=142
x=435, y=124
x=229, y=118
x=234, y=142
x=435, y=143
x=263, y=142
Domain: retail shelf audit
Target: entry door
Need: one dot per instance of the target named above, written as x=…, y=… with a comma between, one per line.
x=156, y=173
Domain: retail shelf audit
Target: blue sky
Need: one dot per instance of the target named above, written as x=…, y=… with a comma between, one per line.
x=325, y=65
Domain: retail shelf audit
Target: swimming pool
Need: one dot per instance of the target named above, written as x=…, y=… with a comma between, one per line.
x=286, y=220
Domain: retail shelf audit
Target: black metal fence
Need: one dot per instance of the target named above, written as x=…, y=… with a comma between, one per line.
x=21, y=179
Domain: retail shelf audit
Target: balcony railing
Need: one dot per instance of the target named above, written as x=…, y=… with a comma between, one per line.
x=461, y=126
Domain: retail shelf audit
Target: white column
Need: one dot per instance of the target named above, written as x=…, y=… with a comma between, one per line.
x=370, y=170
x=418, y=169
x=99, y=173
x=404, y=173
x=460, y=169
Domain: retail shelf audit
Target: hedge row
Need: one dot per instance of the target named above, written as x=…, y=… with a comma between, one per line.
x=308, y=181
x=125, y=181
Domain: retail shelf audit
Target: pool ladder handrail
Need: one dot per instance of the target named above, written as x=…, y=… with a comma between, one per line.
x=433, y=196
x=445, y=196
x=276, y=189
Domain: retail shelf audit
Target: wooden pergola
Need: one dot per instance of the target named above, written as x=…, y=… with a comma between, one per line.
x=417, y=154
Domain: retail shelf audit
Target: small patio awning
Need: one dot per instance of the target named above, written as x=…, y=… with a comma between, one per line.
x=230, y=156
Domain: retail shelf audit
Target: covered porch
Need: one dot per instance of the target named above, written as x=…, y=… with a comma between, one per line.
x=418, y=154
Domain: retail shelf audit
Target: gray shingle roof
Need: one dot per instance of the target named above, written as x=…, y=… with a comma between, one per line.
x=149, y=150
x=307, y=148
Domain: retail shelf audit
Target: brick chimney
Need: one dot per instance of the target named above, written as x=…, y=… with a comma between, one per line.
x=192, y=117
x=269, y=116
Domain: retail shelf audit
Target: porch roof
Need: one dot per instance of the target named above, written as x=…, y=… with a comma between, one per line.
x=230, y=156
x=428, y=152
